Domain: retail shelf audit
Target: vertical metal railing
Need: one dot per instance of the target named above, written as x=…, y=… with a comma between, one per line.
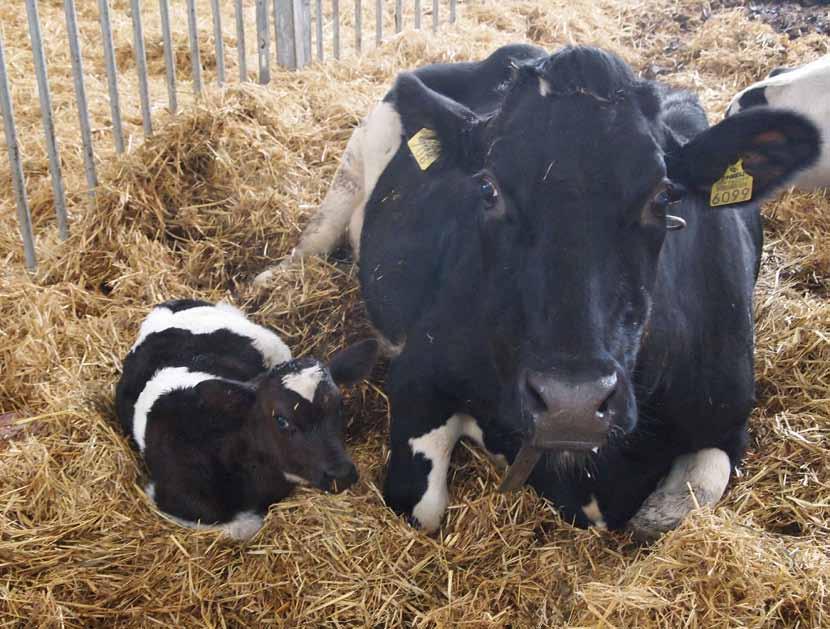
x=294, y=36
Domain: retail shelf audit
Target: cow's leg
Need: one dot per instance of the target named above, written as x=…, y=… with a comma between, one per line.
x=696, y=479
x=422, y=437
x=368, y=152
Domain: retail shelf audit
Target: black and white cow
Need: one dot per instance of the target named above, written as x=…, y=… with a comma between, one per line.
x=805, y=90
x=522, y=254
x=226, y=420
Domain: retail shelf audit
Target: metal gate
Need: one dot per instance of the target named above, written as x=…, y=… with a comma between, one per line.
x=292, y=22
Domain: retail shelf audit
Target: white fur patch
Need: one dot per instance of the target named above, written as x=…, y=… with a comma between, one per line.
x=208, y=319
x=698, y=478
x=304, y=382
x=592, y=512
x=544, y=87
x=436, y=446
x=293, y=478
x=163, y=381
x=243, y=526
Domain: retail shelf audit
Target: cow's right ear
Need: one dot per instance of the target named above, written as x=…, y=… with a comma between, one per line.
x=434, y=126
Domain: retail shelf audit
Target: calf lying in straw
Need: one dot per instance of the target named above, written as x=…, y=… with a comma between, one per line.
x=227, y=421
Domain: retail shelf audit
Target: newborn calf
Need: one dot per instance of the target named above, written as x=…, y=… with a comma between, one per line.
x=227, y=421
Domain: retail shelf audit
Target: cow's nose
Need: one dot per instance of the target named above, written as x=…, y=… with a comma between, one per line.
x=568, y=413
x=341, y=476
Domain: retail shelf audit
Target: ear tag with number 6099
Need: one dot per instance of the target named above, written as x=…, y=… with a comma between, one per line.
x=734, y=187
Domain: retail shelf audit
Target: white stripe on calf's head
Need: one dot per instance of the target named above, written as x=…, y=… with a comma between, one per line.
x=304, y=382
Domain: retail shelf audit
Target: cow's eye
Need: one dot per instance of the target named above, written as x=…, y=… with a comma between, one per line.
x=282, y=423
x=489, y=192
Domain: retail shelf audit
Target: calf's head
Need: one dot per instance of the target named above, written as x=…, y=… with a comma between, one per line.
x=570, y=191
x=301, y=404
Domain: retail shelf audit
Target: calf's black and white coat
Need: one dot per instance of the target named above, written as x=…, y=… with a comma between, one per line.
x=226, y=420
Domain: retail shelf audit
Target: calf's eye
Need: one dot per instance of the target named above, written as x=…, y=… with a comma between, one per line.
x=489, y=192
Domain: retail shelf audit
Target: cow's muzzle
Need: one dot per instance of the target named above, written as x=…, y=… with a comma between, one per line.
x=566, y=415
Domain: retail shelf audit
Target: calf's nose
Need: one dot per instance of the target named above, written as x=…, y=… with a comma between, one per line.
x=568, y=414
x=341, y=475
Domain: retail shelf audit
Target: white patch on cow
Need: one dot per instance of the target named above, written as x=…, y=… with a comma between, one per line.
x=370, y=149
x=163, y=381
x=471, y=430
x=242, y=527
x=544, y=87
x=592, y=512
x=297, y=480
x=436, y=446
x=304, y=382
x=209, y=319
x=698, y=478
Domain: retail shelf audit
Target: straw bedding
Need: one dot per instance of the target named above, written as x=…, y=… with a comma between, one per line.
x=220, y=192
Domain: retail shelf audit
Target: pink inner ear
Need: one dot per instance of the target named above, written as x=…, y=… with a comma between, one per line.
x=770, y=137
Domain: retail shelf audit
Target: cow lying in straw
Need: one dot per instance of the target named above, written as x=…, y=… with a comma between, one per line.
x=561, y=257
x=227, y=421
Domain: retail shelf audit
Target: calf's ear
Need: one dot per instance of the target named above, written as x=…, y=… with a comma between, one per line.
x=745, y=157
x=434, y=126
x=350, y=365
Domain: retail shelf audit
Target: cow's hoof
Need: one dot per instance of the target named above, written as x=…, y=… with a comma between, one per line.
x=697, y=479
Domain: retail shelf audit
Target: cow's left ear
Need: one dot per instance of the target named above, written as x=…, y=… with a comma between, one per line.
x=745, y=157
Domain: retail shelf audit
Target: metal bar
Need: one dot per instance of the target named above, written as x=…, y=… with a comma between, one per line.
x=240, y=41
x=335, y=16
x=141, y=67
x=284, y=34
x=80, y=96
x=195, y=57
x=434, y=16
x=263, y=43
x=453, y=11
x=320, y=53
x=112, y=75
x=46, y=113
x=398, y=16
x=24, y=216
x=358, y=25
x=218, y=43
x=417, y=14
x=378, y=22
x=169, y=62
x=302, y=31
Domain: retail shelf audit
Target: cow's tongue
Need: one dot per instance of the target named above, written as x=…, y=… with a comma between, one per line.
x=521, y=468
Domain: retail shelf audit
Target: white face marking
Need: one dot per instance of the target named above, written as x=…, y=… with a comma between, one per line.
x=697, y=478
x=544, y=87
x=436, y=446
x=163, y=381
x=297, y=480
x=592, y=512
x=304, y=382
x=208, y=319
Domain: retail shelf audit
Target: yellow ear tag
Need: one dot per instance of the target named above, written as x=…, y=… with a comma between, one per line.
x=425, y=147
x=734, y=187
